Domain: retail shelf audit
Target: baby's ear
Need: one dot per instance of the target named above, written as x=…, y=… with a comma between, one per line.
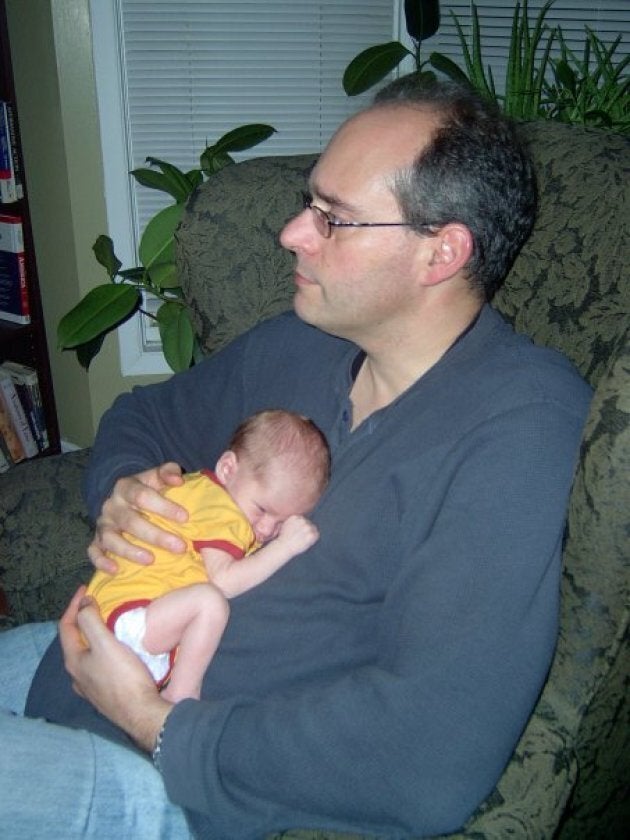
x=226, y=466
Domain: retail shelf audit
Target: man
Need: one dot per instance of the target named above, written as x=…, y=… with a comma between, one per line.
x=379, y=682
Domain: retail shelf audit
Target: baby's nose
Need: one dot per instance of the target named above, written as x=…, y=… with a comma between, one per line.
x=264, y=529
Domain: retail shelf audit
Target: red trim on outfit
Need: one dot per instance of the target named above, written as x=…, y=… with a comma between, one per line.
x=233, y=550
x=127, y=606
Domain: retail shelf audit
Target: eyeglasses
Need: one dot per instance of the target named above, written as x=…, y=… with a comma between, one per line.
x=325, y=222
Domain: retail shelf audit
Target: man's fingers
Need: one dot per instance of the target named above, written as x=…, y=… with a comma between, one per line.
x=69, y=618
x=170, y=473
x=100, y=560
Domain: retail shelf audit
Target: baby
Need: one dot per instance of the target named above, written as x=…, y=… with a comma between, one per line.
x=246, y=520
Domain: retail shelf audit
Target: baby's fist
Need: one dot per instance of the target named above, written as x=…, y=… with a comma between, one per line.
x=298, y=533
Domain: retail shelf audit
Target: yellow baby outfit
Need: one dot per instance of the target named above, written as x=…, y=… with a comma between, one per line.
x=214, y=521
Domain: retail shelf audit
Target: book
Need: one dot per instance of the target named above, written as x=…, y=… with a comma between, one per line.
x=16, y=411
x=26, y=382
x=15, y=157
x=11, y=441
x=8, y=192
x=6, y=461
x=14, y=304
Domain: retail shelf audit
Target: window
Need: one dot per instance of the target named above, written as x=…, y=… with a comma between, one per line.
x=173, y=75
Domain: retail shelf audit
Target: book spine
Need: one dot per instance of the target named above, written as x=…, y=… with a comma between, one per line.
x=9, y=432
x=26, y=381
x=14, y=299
x=35, y=396
x=40, y=416
x=24, y=304
x=14, y=407
x=15, y=157
x=6, y=461
x=29, y=411
x=7, y=182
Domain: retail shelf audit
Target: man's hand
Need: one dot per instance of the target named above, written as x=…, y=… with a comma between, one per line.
x=122, y=512
x=108, y=674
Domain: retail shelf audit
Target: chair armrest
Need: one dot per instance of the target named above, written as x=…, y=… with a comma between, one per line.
x=44, y=532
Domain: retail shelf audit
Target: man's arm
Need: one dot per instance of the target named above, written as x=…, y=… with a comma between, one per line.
x=411, y=741
x=187, y=420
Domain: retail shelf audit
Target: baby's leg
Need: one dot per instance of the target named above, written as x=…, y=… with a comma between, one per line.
x=192, y=619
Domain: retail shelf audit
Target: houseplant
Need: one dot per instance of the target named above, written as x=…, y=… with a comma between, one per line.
x=422, y=19
x=107, y=306
x=525, y=71
x=590, y=90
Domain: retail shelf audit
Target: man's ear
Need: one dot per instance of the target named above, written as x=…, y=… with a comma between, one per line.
x=226, y=466
x=451, y=249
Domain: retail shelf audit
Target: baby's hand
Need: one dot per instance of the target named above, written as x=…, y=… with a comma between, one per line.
x=297, y=533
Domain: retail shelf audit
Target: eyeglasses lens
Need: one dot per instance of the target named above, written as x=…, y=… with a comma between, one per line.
x=319, y=217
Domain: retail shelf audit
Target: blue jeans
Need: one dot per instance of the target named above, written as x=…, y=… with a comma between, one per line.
x=65, y=783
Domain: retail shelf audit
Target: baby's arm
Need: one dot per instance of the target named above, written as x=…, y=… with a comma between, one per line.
x=233, y=577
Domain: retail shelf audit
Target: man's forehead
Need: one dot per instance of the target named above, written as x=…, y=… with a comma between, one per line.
x=369, y=149
x=385, y=136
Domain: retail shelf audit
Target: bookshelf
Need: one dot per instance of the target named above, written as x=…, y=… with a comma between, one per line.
x=26, y=343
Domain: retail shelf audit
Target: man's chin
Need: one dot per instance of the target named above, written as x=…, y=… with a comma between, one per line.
x=310, y=316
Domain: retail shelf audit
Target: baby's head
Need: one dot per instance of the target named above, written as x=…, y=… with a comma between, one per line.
x=277, y=465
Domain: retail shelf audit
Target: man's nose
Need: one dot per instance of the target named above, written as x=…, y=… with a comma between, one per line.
x=299, y=233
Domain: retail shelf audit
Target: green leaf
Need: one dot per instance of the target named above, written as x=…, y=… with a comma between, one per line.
x=244, y=137
x=213, y=160
x=195, y=177
x=443, y=64
x=157, y=243
x=177, y=335
x=180, y=186
x=102, y=309
x=372, y=65
x=164, y=275
x=134, y=275
x=422, y=18
x=104, y=252
x=156, y=181
x=565, y=75
x=86, y=352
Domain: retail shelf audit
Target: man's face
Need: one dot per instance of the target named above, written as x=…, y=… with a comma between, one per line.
x=359, y=281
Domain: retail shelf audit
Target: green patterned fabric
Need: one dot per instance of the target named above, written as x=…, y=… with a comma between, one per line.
x=570, y=773
x=230, y=263
x=44, y=533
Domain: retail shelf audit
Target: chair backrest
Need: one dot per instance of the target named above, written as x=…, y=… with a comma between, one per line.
x=566, y=290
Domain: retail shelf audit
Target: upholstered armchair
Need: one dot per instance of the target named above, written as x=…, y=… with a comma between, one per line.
x=570, y=773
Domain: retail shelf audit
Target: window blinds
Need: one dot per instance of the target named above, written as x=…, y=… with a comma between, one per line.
x=195, y=69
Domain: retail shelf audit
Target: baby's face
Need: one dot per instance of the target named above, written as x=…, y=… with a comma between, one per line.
x=266, y=502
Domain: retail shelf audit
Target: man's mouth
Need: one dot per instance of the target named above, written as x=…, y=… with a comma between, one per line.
x=302, y=280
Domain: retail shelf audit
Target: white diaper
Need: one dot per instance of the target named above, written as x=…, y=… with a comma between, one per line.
x=130, y=628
